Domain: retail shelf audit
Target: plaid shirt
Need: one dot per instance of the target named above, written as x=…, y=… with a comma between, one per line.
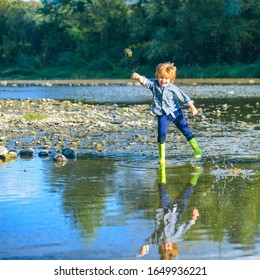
x=164, y=99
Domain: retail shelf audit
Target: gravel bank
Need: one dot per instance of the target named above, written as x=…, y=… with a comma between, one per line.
x=114, y=130
x=85, y=128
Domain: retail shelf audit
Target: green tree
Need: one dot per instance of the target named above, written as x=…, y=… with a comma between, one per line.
x=103, y=26
x=17, y=32
x=197, y=32
x=93, y=33
x=3, y=18
x=57, y=31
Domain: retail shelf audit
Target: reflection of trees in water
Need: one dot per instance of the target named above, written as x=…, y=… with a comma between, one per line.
x=136, y=187
x=231, y=208
x=86, y=185
x=95, y=193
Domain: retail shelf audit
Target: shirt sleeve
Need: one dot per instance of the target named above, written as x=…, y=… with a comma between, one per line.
x=184, y=98
x=180, y=233
x=148, y=83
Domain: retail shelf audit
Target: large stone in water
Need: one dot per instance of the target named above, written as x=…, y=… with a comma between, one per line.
x=43, y=153
x=60, y=158
x=26, y=152
x=69, y=153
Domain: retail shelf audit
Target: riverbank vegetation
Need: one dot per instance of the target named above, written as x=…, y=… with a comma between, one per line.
x=34, y=116
x=86, y=38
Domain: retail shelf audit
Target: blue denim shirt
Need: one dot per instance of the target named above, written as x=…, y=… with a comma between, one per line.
x=164, y=99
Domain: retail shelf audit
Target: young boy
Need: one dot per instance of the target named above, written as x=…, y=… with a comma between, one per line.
x=167, y=108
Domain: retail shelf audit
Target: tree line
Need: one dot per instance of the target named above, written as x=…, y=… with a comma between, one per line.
x=94, y=33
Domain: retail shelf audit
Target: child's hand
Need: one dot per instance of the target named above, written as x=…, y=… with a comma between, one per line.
x=135, y=76
x=193, y=110
x=195, y=214
x=138, y=77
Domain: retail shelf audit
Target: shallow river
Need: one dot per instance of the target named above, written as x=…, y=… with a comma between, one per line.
x=114, y=207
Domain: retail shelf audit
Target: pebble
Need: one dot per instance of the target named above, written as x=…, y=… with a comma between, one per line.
x=26, y=152
x=3, y=151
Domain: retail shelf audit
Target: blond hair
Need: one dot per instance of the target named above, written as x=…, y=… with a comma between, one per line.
x=170, y=254
x=166, y=70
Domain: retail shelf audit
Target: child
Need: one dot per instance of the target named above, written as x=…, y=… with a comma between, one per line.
x=167, y=108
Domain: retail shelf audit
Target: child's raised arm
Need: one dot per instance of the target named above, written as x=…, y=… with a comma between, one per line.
x=138, y=77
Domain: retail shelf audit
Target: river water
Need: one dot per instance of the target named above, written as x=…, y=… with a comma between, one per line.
x=115, y=207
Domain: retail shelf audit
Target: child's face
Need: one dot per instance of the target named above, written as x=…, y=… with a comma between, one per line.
x=163, y=81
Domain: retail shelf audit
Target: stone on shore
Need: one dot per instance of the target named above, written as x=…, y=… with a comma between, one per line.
x=3, y=151
x=10, y=156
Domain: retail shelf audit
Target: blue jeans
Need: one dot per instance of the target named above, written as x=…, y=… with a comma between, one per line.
x=180, y=122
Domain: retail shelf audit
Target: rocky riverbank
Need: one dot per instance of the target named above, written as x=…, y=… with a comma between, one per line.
x=84, y=128
x=119, y=131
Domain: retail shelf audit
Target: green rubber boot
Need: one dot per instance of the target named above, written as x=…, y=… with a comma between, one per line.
x=161, y=148
x=194, y=144
x=195, y=176
x=162, y=173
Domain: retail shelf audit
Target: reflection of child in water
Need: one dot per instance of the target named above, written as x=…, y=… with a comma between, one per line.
x=167, y=232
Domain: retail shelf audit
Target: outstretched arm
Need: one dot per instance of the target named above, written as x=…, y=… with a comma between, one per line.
x=138, y=77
